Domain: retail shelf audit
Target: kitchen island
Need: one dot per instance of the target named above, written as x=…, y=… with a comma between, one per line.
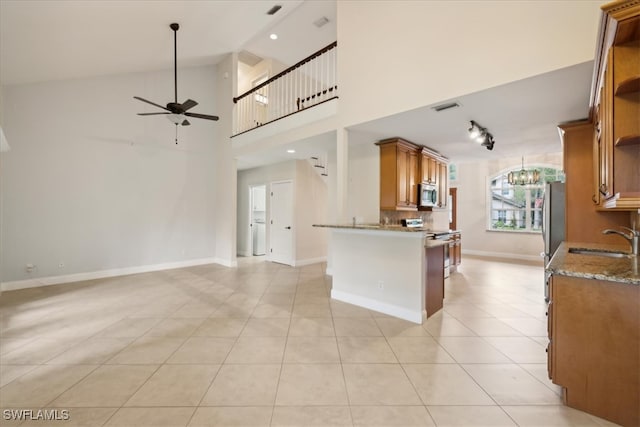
x=385, y=268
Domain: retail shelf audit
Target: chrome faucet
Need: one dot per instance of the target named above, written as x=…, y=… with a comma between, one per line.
x=633, y=237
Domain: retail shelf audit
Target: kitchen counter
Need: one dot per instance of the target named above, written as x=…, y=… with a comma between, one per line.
x=385, y=268
x=589, y=266
x=394, y=228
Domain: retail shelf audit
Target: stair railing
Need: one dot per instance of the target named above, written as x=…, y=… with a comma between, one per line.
x=309, y=82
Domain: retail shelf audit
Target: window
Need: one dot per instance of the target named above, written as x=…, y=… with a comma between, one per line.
x=518, y=207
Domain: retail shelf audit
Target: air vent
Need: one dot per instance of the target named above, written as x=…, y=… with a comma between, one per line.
x=274, y=9
x=321, y=22
x=446, y=106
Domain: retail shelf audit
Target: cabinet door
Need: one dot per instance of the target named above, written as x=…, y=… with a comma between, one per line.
x=402, y=176
x=597, y=150
x=606, y=135
x=433, y=170
x=412, y=179
x=443, y=184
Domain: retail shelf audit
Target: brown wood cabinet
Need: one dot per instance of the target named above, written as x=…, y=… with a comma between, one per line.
x=594, y=346
x=434, y=281
x=455, y=252
x=428, y=167
x=434, y=170
x=443, y=184
x=584, y=221
x=398, y=174
x=615, y=108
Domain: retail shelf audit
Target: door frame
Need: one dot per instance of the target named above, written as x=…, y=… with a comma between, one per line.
x=453, y=193
x=293, y=220
x=250, y=207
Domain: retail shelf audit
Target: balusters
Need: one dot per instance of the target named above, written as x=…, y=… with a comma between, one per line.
x=307, y=83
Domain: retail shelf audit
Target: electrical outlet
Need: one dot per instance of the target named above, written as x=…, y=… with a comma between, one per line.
x=29, y=267
x=380, y=285
x=61, y=265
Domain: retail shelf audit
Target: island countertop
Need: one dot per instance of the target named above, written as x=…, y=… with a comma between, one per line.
x=589, y=266
x=382, y=227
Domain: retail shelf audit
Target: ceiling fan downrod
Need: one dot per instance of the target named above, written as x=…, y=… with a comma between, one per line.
x=175, y=27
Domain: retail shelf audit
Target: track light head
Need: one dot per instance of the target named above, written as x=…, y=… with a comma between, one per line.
x=481, y=135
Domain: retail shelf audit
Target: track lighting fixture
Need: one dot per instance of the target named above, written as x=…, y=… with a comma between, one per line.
x=481, y=135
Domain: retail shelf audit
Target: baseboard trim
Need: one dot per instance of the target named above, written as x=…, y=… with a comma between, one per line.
x=390, y=309
x=101, y=274
x=225, y=262
x=309, y=261
x=501, y=255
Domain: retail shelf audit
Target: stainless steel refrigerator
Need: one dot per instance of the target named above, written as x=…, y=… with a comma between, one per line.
x=553, y=224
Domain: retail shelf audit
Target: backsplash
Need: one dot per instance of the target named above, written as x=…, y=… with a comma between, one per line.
x=395, y=217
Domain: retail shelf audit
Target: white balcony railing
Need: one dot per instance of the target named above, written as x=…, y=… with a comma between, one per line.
x=310, y=82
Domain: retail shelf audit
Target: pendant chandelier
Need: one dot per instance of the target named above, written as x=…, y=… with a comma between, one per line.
x=523, y=176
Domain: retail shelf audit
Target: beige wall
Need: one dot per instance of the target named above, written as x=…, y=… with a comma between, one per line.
x=423, y=51
x=311, y=208
x=472, y=184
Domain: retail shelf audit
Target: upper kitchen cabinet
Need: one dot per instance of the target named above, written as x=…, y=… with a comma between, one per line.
x=615, y=108
x=398, y=174
x=434, y=170
x=428, y=166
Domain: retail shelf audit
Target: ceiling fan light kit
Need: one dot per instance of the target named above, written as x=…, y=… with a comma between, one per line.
x=176, y=112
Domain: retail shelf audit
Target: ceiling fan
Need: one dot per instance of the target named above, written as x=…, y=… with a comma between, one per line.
x=176, y=112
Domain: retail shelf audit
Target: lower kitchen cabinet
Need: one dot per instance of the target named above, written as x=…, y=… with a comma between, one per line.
x=594, y=346
x=434, y=280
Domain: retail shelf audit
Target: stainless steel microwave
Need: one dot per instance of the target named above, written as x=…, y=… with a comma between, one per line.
x=428, y=195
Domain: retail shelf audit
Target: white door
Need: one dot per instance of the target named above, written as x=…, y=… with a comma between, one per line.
x=281, y=223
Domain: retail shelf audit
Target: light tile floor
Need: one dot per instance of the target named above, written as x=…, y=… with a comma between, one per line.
x=263, y=345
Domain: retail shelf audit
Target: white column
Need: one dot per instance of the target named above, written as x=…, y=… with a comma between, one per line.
x=342, y=174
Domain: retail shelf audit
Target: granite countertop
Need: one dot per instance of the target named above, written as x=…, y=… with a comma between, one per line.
x=377, y=227
x=381, y=227
x=589, y=266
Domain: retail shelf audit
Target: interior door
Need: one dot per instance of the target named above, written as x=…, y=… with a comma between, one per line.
x=281, y=222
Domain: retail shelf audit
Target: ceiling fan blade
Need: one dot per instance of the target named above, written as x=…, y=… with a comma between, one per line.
x=188, y=104
x=185, y=123
x=201, y=116
x=151, y=114
x=149, y=102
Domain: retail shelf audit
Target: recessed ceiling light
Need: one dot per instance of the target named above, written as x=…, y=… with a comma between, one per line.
x=291, y=151
x=273, y=36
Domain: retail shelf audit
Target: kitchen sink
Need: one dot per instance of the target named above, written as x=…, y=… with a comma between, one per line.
x=598, y=252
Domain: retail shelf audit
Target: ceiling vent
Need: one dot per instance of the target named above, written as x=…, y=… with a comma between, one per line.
x=248, y=58
x=321, y=22
x=446, y=106
x=274, y=9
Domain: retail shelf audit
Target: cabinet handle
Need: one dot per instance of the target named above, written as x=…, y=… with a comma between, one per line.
x=594, y=200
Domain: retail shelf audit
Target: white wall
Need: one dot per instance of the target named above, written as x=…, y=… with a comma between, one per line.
x=311, y=208
x=91, y=186
x=424, y=52
x=472, y=185
x=364, y=183
x=224, y=165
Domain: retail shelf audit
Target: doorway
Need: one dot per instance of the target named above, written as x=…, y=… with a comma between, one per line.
x=453, y=208
x=281, y=222
x=257, y=219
